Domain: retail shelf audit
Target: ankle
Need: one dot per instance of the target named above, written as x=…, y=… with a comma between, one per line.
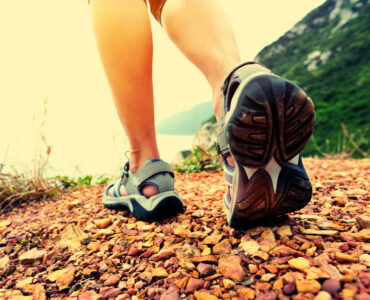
x=138, y=158
x=226, y=65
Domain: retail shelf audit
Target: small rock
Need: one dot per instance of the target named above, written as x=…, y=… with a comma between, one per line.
x=194, y=284
x=224, y=247
x=228, y=284
x=31, y=256
x=103, y=223
x=112, y=279
x=198, y=213
x=348, y=293
x=72, y=237
x=289, y=289
x=146, y=276
x=163, y=255
x=204, y=296
x=139, y=285
x=89, y=295
x=299, y=263
x=205, y=269
x=316, y=273
x=111, y=293
x=343, y=257
x=151, y=292
x=278, y=284
x=271, y=268
x=322, y=295
x=171, y=296
x=284, y=231
x=318, y=232
x=4, y=262
x=311, y=251
x=246, y=293
x=268, y=235
x=63, y=278
x=212, y=239
x=39, y=292
x=249, y=247
x=25, y=285
x=181, y=232
x=206, y=258
x=332, y=286
x=5, y=223
x=363, y=296
x=267, y=277
x=363, y=235
x=94, y=246
x=365, y=259
x=282, y=251
x=330, y=269
x=160, y=272
x=252, y=268
x=308, y=286
x=261, y=254
x=363, y=221
x=267, y=296
x=186, y=264
x=231, y=267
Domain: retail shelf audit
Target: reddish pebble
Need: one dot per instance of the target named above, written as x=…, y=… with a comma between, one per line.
x=194, y=284
x=332, y=286
x=268, y=296
x=344, y=247
x=289, y=289
x=205, y=269
x=111, y=293
x=363, y=296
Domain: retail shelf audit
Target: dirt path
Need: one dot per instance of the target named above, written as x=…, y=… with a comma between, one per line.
x=75, y=248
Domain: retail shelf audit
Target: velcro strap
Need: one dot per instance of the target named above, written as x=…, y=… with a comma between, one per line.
x=149, y=170
x=223, y=147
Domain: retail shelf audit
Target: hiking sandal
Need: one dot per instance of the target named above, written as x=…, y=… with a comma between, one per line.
x=154, y=172
x=265, y=122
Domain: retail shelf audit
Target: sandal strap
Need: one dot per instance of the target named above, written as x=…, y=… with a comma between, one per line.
x=149, y=169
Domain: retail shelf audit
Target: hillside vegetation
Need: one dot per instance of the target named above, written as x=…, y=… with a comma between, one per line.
x=327, y=54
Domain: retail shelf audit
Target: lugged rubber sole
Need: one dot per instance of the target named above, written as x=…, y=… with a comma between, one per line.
x=272, y=117
x=267, y=127
x=158, y=207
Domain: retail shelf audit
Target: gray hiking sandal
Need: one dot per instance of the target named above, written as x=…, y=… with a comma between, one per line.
x=154, y=172
x=265, y=122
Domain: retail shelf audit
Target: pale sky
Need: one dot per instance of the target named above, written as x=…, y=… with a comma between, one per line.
x=48, y=50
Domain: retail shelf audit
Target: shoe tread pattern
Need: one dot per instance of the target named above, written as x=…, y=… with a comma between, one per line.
x=273, y=117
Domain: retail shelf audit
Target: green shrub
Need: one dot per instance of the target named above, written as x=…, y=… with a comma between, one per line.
x=200, y=160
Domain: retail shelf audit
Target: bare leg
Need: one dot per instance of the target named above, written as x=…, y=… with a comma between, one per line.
x=124, y=40
x=202, y=32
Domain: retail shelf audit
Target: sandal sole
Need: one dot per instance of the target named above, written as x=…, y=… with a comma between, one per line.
x=161, y=207
x=272, y=119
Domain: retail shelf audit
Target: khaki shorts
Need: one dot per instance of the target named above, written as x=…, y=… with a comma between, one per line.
x=156, y=7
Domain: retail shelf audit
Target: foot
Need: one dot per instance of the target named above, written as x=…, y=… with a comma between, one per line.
x=265, y=123
x=148, y=191
x=135, y=164
x=155, y=204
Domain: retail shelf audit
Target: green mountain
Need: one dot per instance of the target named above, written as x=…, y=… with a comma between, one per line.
x=328, y=54
x=186, y=122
